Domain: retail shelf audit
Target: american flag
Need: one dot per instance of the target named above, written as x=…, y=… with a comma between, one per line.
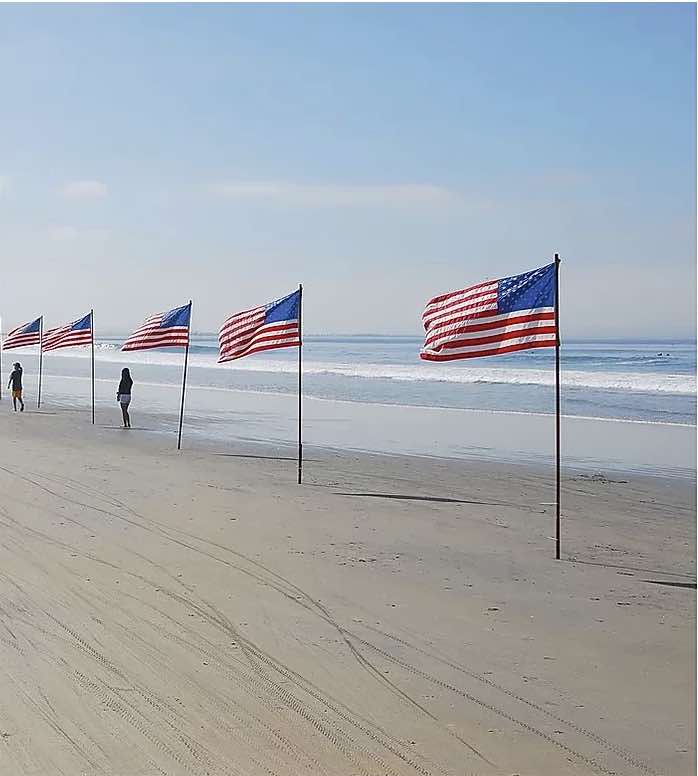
x=273, y=325
x=163, y=330
x=26, y=334
x=76, y=333
x=491, y=318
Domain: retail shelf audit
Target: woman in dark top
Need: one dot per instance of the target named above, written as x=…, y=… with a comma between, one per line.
x=16, y=383
x=123, y=395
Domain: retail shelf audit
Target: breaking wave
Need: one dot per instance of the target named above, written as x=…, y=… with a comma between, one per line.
x=205, y=358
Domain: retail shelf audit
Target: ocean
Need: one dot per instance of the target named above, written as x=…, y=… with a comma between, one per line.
x=652, y=382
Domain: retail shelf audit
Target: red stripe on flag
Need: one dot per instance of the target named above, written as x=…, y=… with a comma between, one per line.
x=499, y=323
x=20, y=340
x=465, y=302
x=491, y=352
x=443, y=297
x=507, y=335
x=260, y=349
x=230, y=353
x=268, y=328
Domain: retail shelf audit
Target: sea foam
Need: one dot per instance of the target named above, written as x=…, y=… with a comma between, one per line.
x=650, y=382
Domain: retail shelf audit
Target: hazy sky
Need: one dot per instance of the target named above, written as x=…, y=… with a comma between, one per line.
x=377, y=154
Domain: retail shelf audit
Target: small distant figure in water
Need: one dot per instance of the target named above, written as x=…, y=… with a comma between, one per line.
x=15, y=383
x=123, y=395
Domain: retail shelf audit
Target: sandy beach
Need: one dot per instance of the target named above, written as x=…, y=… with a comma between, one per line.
x=200, y=613
x=448, y=250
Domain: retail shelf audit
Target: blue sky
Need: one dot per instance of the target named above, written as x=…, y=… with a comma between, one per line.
x=378, y=154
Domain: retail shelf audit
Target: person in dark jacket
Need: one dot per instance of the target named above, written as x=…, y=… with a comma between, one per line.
x=16, y=384
x=123, y=395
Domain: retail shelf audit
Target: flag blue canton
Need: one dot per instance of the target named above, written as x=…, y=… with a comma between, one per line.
x=285, y=309
x=527, y=291
x=30, y=328
x=178, y=317
x=84, y=324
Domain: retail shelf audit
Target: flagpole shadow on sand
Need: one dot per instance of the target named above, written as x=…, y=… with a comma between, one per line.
x=433, y=499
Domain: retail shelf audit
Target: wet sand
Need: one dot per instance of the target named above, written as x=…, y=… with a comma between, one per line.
x=512, y=437
x=200, y=613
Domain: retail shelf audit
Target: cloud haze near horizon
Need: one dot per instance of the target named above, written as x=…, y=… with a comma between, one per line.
x=377, y=155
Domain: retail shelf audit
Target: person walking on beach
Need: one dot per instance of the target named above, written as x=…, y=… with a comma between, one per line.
x=123, y=395
x=15, y=383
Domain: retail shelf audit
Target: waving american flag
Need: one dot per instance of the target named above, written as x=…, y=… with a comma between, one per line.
x=76, y=333
x=163, y=330
x=271, y=326
x=26, y=334
x=492, y=318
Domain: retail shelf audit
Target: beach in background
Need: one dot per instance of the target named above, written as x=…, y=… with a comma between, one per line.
x=627, y=405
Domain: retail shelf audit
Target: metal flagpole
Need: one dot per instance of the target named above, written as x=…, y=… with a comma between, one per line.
x=557, y=407
x=300, y=384
x=92, y=329
x=184, y=382
x=41, y=358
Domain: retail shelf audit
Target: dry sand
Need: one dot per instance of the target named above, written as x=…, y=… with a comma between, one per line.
x=200, y=613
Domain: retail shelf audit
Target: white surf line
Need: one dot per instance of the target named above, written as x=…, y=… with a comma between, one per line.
x=335, y=369
x=436, y=408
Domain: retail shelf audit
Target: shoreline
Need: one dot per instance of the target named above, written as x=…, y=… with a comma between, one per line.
x=223, y=416
x=289, y=394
